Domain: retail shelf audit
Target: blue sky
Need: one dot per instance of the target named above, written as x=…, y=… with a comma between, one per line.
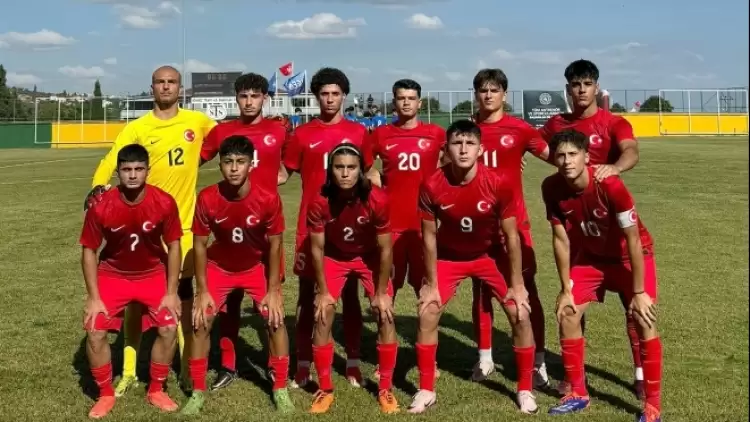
x=638, y=44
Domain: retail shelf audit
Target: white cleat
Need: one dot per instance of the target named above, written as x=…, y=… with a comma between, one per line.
x=527, y=402
x=482, y=370
x=541, y=379
x=422, y=400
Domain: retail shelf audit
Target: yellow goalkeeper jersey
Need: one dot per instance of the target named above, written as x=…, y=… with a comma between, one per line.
x=173, y=147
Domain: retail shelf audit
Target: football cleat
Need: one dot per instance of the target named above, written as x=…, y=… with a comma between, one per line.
x=322, y=402
x=161, y=401
x=223, y=379
x=388, y=402
x=126, y=383
x=102, y=407
x=482, y=370
x=422, y=401
x=283, y=401
x=650, y=414
x=527, y=402
x=571, y=403
x=540, y=377
x=194, y=404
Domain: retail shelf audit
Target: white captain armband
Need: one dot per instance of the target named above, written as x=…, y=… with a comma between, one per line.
x=627, y=218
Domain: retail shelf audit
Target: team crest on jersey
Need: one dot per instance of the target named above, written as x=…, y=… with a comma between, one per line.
x=423, y=144
x=595, y=140
x=269, y=140
x=362, y=220
x=251, y=220
x=599, y=213
x=147, y=226
x=507, y=141
x=483, y=206
x=189, y=135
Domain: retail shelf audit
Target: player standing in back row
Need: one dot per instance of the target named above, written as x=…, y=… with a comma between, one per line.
x=268, y=137
x=615, y=253
x=173, y=138
x=613, y=150
x=506, y=139
x=307, y=153
x=133, y=221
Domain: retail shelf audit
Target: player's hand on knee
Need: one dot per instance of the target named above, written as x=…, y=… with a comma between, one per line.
x=95, y=196
x=91, y=310
x=203, y=307
x=428, y=295
x=382, y=303
x=323, y=301
x=565, y=306
x=172, y=303
x=273, y=303
x=643, y=309
x=520, y=296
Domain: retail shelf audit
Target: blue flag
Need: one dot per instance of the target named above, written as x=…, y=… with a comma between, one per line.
x=296, y=84
x=272, y=85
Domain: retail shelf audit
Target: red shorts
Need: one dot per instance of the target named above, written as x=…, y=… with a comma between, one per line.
x=451, y=273
x=591, y=280
x=117, y=292
x=221, y=283
x=408, y=260
x=528, y=256
x=303, y=266
x=338, y=272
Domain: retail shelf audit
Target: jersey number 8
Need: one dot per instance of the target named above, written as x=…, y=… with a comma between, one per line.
x=238, y=236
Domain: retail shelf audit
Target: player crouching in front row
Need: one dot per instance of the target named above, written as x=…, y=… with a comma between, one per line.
x=351, y=237
x=471, y=204
x=247, y=223
x=133, y=221
x=616, y=254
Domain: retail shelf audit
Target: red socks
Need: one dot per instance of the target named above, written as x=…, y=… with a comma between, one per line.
x=524, y=367
x=481, y=314
x=280, y=367
x=386, y=364
x=228, y=356
x=323, y=358
x=159, y=373
x=652, y=365
x=198, y=369
x=635, y=342
x=426, y=358
x=573, y=352
x=103, y=378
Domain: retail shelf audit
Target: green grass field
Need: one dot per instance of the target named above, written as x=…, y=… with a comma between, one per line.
x=693, y=197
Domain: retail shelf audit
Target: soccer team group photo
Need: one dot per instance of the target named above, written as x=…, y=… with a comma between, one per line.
x=406, y=210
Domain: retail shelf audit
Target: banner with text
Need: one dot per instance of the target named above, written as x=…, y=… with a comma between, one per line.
x=539, y=106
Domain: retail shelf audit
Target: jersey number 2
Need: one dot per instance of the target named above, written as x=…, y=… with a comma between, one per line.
x=175, y=157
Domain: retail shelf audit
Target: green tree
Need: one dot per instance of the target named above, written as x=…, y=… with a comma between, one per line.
x=617, y=108
x=507, y=108
x=6, y=101
x=655, y=103
x=432, y=103
x=464, y=107
x=96, y=103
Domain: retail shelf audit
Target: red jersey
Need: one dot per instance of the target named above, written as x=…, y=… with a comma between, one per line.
x=268, y=138
x=505, y=142
x=133, y=233
x=598, y=214
x=351, y=227
x=408, y=156
x=307, y=153
x=240, y=228
x=604, y=130
x=468, y=215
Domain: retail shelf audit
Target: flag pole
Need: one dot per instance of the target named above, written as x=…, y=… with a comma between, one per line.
x=275, y=89
x=307, y=97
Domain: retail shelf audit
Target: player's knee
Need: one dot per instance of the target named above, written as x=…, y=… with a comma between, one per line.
x=168, y=333
x=428, y=320
x=185, y=289
x=570, y=321
x=97, y=339
x=646, y=329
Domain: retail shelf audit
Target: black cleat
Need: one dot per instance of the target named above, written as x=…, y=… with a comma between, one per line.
x=223, y=380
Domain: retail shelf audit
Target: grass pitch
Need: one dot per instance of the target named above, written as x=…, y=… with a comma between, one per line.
x=692, y=194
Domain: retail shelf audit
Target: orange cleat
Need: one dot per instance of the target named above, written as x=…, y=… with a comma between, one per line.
x=162, y=401
x=388, y=402
x=321, y=402
x=102, y=407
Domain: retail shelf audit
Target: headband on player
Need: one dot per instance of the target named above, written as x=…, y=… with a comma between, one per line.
x=344, y=147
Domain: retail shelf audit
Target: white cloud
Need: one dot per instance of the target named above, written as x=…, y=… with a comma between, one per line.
x=320, y=25
x=422, y=21
x=139, y=17
x=695, y=55
x=696, y=77
x=453, y=76
x=417, y=76
x=532, y=56
x=43, y=39
x=610, y=54
x=482, y=32
x=22, y=79
x=360, y=70
x=481, y=64
x=111, y=61
x=80, y=72
x=195, y=65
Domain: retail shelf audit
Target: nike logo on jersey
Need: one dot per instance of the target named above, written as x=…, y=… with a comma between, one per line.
x=389, y=147
x=315, y=144
x=118, y=229
x=217, y=221
x=445, y=207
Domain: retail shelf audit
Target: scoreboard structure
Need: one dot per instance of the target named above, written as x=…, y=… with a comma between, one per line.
x=214, y=84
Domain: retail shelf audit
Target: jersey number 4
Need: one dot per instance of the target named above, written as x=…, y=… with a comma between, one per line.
x=175, y=157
